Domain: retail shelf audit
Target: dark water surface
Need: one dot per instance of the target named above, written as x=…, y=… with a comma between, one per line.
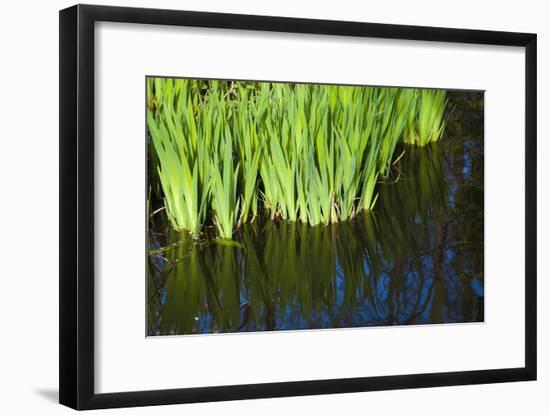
x=417, y=259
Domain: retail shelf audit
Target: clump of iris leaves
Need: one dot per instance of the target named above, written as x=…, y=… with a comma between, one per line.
x=225, y=152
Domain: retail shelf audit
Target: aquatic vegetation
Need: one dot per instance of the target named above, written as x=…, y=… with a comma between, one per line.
x=225, y=152
x=415, y=257
x=182, y=152
x=224, y=192
x=426, y=122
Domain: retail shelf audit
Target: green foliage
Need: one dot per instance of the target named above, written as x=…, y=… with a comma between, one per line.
x=426, y=124
x=224, y=192
x=226, y=151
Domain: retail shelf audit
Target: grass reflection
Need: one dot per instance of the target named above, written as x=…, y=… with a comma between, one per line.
x=379, y=269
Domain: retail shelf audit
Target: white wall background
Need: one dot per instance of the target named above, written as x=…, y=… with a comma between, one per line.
x=29, y=208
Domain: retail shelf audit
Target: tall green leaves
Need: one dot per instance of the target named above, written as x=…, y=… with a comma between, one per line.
x=228, y=151
x=225, y=202
x=426, y=124
x=248, y=151
x=183, y=130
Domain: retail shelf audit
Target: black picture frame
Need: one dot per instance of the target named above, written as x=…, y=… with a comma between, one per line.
x=76, y=278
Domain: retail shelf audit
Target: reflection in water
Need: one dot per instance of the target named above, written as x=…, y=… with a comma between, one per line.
x=417, y=259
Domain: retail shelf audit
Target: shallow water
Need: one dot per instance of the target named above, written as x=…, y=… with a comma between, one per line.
x=417, y=259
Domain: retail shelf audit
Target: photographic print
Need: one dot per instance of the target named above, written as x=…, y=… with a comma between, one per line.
x=286, y=206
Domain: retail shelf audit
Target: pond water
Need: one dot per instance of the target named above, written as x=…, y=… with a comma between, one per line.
x=417, y=259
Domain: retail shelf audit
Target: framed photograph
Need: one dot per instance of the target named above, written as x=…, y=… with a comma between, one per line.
x=257, y=206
